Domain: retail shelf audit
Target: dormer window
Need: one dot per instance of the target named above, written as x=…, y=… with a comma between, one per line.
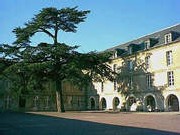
x=133, y=48
x=147, y=44
x=115, y=54
x=168, y=38
x=130, y=49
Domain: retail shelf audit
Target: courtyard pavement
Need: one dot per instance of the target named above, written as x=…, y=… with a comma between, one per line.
x=89, y=123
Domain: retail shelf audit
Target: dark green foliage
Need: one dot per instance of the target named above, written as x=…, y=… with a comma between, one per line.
x=50, y=21
x=57, y=61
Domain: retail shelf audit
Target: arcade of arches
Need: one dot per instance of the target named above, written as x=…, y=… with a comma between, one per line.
x=172, y=103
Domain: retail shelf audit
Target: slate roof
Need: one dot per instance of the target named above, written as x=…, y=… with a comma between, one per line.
x=157, y=36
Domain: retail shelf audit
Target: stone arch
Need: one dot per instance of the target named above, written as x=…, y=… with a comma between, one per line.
x=22, y=101
x=172, y=102
x=92, y=103
x=150, y=102
x=130, y=100
x=116, y=103
x=103, y=104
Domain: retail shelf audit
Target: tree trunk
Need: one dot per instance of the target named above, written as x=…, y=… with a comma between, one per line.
x=59, y=96
x=55, y=36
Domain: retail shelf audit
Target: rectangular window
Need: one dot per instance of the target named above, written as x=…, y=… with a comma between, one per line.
x=170, y=77
x=102, y=86
x=169, y=58
x=131, y=83
x=130, y=65
x=149, y=80
x=114, y=67
x=168, y=38
x=115, y=85
x=147, y=62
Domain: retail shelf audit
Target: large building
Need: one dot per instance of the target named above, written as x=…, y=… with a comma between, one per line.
x=148, y=71
x=148, y=74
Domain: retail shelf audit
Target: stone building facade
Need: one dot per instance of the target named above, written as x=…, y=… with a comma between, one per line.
x=148, y=80
x=149, y=71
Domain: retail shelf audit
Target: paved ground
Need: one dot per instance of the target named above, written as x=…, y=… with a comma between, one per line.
x=88, y=123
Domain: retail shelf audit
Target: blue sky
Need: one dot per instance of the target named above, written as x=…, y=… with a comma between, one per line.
x=110, y=23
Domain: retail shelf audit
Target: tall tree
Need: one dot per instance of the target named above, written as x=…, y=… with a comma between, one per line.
x=58, y=61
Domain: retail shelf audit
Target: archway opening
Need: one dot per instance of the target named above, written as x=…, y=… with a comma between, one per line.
x=172, y=103
x=92, y=104
x=103, y=104
x=130, y=104
x=150, y=103
x=22, y=102
x=131, y=100
x=116, y=103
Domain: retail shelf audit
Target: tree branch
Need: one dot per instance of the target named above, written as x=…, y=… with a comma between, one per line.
x=47, y=32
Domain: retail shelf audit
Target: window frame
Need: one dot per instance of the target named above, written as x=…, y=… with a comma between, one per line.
x=131, y=82
x=147, y=62
x=115, y=85
x=147, y=44
x=115, y=68
x=130, y=49
x=102, y=86
x=168, y=38
x=130, y=65
x=169, y=58
x=170, y=78
x=115, y=54
x=149, y=80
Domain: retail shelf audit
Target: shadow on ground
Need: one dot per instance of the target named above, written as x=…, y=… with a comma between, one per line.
x=12, y=123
